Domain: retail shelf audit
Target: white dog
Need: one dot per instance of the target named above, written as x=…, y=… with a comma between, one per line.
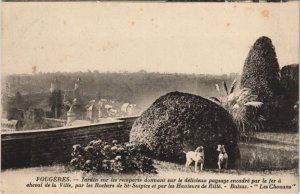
x=197, y=156
x=223, y=157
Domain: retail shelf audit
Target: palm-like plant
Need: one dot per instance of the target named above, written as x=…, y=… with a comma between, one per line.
x=244, y=108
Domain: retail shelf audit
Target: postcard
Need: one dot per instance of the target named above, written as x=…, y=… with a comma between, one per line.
x=149, y=97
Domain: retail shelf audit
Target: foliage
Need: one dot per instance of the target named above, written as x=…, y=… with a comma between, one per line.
x=289, y=80
x=261, y=75
x=261, y=70
x=243, y=106
x=290, y=84
x=100, y=156
x=179, y=122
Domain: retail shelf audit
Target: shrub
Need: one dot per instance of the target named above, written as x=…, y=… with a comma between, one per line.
x=261, y=70
x=100, y=156
x=290, y=83
x=243, y=106
x=261, y=75
x=179, y=122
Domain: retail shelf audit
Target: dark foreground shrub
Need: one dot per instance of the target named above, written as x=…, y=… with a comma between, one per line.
x=179, y=122
x=290, y=84
x=100, y=156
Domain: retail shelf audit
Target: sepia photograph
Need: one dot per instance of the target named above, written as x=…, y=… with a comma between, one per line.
x=142, y=97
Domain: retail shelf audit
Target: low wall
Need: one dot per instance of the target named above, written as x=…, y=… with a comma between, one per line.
x=49, y=146
x=56, y=121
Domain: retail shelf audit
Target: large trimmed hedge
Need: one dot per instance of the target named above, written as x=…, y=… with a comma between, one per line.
x=179, y=122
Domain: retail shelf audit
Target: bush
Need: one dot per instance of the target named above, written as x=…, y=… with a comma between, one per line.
x=179, y=122
x=261, y=70
x=261, y=75
x=290, y=83
x=100, y=156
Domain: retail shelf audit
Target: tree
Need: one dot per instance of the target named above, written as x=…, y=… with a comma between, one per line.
x=261, y=75
x=261, y=70
x=290, y=83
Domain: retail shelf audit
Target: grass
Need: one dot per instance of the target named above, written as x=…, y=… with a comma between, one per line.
x=269, y=153
x=279, y=138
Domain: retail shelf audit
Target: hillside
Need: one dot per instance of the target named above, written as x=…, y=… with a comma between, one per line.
x=141, y=88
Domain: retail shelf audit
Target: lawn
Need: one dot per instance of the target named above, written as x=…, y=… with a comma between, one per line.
x=271, y=155
x=270, y=151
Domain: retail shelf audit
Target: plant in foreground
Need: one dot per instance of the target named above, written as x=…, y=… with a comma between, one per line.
x=100, y=156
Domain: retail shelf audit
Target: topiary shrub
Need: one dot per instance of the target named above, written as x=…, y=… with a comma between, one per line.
x=100, y=156
x=261, y=70
x=261, y=75
x=179, y=122
x=290, y=83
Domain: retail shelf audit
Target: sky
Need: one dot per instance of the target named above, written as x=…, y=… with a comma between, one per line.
x=196, y=38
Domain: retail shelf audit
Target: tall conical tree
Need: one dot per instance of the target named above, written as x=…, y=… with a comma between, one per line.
x=261, y=75
x=261, y=70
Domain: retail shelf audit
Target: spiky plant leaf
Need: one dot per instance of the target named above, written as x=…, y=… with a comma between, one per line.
x=243, y=90
x=225, y=87
x=218, y=88
x=214, y=99
x=232, y=87
x=254, y=104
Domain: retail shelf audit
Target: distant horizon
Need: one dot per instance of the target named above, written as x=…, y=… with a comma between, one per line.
x=119, y=72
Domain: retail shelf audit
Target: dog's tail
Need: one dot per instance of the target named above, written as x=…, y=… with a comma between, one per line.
x=184, y=151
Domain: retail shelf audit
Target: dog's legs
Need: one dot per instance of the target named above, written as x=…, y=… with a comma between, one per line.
x=219, y=164
x=188, y=163
x=201, y=166
x=226, y=163
x=196, y=165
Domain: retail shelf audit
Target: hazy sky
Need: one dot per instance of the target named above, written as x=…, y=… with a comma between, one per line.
x=163, y=37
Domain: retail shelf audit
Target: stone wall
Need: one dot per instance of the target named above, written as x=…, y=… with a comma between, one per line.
x=49, y=146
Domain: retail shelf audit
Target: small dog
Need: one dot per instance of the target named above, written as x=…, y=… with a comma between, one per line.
x=223, y=157
x=197, y=156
